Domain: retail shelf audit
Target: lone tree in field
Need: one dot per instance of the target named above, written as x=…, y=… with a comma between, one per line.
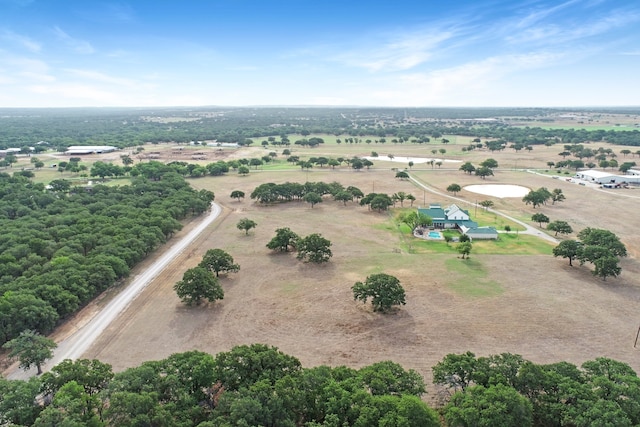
x=31, y=349
x=486, y=204
x=402, y=175
x=314, y=248
x=384, y=290
x=283, y=239
x=198, y=284
x=454, y=188
x=540, y=218
x=464, y=249
x=217, y=261
x=246, y=224
x=557, y=196
x=561, y=227
x=237, y=194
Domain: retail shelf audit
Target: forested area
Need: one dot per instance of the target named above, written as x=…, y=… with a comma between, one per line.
x=61, y=245
x=130, y=127
x=258, y=385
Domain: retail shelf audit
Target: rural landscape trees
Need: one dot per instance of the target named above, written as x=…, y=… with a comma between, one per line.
x=65, y=241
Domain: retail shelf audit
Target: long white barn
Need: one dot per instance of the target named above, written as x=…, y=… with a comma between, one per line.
x=602, y=177
x=90, y=149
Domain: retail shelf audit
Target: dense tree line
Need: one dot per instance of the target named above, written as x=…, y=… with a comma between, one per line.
x=290, y=191
x=130, y=127
x=258, y=385
x=508, y=390
x=62, y=245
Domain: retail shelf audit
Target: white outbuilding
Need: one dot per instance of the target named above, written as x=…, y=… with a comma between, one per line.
x=601, y=177
x=90, y=149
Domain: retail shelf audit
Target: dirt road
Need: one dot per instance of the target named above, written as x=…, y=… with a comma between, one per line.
x=74, y=346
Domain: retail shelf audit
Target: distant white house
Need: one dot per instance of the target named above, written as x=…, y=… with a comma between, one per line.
x=90, y=149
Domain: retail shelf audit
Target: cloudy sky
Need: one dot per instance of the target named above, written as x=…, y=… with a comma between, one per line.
x=319, y=52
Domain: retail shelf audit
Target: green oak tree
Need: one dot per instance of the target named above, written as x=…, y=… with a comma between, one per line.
x=464, y=249
x=570, y=249
x=283, y=240
x=540, y=218
x=31, y=349
x=497, y=405
x=237, y=194
x=312, y=198
x=198, y=284
x=314, y=248
x=484, y=171
x=561, y=227
x=384, y=290
x=246, y=224
x=218, y=261
x=454, y=188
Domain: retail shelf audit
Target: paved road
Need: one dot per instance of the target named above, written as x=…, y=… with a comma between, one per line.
x=74, y=346
x=528, y=229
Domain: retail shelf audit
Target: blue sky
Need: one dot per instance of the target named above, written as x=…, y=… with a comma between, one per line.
x=301, y=52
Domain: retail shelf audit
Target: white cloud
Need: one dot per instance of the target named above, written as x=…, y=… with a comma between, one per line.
x=24, y=41
x=79, y=46
x=100, y=77
x=450, y=86
x=28, y=69
x=566, y=31
x=97, y=95
x=401, y=53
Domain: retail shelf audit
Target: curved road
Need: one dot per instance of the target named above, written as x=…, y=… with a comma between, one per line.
x=75, y=345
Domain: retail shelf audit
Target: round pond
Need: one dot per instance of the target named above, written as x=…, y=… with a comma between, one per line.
x=499, y=190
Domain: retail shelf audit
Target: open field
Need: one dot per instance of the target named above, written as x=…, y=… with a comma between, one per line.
x=534, y=305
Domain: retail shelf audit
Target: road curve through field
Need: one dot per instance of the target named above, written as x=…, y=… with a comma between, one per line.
x=75, y=345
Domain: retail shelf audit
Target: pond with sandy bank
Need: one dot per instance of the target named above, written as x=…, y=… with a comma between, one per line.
x=499, y=190
x=415, y=160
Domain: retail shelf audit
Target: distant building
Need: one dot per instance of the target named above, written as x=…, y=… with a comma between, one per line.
x=90, y=149
x=601, y=177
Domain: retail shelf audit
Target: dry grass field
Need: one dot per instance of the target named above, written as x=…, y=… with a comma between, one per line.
x=529, y=303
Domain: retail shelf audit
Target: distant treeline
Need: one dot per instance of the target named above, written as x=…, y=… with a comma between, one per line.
x=131, y=127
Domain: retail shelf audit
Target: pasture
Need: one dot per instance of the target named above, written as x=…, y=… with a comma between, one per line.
x=519, y=299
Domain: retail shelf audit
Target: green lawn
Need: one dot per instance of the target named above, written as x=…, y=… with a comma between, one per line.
x=512, y=243
x=469, y=277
